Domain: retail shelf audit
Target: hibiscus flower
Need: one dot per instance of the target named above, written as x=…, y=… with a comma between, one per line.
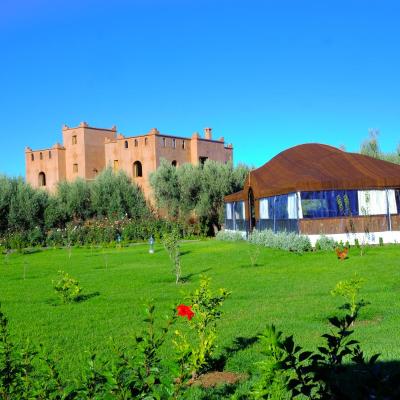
x=185, y=311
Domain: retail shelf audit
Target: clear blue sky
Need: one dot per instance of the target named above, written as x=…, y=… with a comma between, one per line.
x=266, y=75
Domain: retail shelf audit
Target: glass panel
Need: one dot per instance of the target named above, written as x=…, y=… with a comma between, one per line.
x=239, y=210
x=264, y=209
x=397, y=194
x=329, y=203
x=228, y=210
x=281, y=207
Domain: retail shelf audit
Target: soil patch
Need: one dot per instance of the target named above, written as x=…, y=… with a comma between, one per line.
x=215, y=378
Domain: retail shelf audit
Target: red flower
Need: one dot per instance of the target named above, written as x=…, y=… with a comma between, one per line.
x=185, y=311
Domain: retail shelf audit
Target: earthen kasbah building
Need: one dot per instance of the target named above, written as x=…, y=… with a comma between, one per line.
x=87, y=150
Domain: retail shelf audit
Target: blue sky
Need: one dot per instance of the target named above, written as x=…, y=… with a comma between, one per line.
x=266, y=75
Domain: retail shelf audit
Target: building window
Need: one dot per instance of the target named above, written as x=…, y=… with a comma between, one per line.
x=116, y=165
x=75, y=168
x=50, y=154
x=137, y=169
x=145, y=141
x=41, y=155
x=174, y=163
x=164, y=142
x=74, y=140
x=183, y=145
x=42, y=179
x=32, y=157
x=126, y=144
x=174, y=143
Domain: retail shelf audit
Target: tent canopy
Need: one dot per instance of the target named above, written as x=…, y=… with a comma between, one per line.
x=314, y=167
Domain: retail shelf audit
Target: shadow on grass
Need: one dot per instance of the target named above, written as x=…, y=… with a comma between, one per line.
x=84, y=297
x=186, y=278
x=31, y=251
x=256, y=265
x=240, y=343
x=379, y=380
x=80, y=299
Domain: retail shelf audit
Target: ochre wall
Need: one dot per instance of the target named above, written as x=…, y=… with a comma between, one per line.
x=97, y=148
x=53, y=168
x=88, y=152
x=144, y=153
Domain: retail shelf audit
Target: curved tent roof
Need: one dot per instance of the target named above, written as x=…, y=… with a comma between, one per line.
x=313, y=167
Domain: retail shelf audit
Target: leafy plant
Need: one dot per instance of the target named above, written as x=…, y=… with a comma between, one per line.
x=171, y=242
x=195, y=354
x=283, y=240
x=325, y=243
x=349, y=290
x=67, y=287
x=289, y=372
x=229, y=236
x=254, y=253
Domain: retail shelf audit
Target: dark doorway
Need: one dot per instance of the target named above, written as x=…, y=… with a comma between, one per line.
x=42, y=179
x=252, y=213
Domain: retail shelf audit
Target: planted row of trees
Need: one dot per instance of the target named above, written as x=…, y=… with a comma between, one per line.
x=81, y=212
x=31, y=216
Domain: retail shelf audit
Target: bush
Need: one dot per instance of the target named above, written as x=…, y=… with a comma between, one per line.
x=283, y=240
x=325, y=243
x=229, y=236
x=67, y=287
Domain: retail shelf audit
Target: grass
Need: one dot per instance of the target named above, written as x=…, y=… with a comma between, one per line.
x=289, y=290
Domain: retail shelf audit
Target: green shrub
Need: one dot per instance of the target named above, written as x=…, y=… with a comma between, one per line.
x=325, y=243
x=195, y=351
x=67, y=287
x=349, y=290
x=229, y=236
x=282, y=240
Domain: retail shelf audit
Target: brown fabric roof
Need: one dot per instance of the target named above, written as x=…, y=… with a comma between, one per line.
x=311, y=167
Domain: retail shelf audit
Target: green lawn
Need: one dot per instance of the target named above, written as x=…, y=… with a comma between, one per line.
x=288, y=290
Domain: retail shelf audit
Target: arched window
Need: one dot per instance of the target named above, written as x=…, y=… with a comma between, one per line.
x=32, y=157
x=136, y=143
x=174, y=163
x=41, y=156
x=126, y=144
x=137, y=169
x=49, y=154
x=145, y=141
x=42, y=179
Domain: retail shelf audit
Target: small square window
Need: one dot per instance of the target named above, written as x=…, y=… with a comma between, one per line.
x=75, y=168
x=74, y=140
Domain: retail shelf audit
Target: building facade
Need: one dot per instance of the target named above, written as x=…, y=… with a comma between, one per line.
x=315, y=189
x=87, y=150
